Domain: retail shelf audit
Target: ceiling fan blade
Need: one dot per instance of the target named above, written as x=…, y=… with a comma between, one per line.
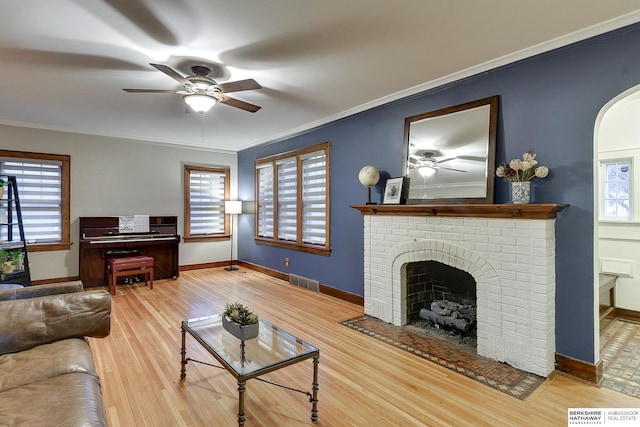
x=149, y=91
x=248, y=84
x=445, y=160
x=171, y=73
x=450, y=169
x=473, y=158
x=238, y=104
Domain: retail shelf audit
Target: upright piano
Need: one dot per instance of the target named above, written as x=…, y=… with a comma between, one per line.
x=101, y=239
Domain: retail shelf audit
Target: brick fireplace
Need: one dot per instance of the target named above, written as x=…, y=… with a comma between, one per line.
x=509, y=250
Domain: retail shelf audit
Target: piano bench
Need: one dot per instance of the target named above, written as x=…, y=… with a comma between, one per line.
x=128, y=266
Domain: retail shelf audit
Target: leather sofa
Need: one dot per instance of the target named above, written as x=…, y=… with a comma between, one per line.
x=47, y=373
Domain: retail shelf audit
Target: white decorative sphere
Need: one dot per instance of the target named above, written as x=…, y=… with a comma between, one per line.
x=369, y=176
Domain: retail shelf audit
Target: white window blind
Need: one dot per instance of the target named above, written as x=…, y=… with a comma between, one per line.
x=206, y=201
x=287, y=199
x=292, y=190
x=40, y=190
x=314, y=198
x=266, y=202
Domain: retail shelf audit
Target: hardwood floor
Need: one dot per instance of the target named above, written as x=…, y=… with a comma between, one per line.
x=363, y=382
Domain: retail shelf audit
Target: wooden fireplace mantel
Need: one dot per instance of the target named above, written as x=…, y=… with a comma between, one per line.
x=528, y=211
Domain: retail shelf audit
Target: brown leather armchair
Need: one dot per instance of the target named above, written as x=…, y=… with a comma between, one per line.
x=47, y=373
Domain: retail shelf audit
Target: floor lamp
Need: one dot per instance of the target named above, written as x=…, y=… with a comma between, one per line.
x=232, y=208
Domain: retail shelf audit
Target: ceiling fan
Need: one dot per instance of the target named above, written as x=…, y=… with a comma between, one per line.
x=201, y=92
x=426, y=163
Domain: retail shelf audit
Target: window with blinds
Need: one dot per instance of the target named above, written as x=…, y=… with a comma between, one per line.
x=292, y=193
x=206, y=189
x=266, y=200
x=287, y=199
x=314, y=198
x=43, y=188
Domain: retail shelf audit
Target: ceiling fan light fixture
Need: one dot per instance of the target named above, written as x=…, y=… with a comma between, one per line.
x=200, y=103
x=426, y=171
x=201, y=85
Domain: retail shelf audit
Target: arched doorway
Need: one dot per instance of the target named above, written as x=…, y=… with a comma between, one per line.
x=617, y=240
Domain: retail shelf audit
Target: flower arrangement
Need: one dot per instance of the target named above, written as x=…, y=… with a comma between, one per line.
x=240, y=314
x=522, y=170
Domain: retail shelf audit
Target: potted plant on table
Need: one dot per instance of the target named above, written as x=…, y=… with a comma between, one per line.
x=10, y=260
x=239, y=321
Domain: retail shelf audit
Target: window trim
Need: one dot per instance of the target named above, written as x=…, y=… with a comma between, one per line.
x=298, y=245
x=602, y=193
x=187, y=203
x=65, y=160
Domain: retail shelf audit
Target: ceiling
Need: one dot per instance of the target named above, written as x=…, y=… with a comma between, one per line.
x=64, y=63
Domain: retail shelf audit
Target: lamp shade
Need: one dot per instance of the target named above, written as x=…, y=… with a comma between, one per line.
x=200, y=103
x=233, y=206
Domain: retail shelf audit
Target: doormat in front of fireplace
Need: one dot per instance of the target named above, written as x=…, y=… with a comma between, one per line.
x=500, y=376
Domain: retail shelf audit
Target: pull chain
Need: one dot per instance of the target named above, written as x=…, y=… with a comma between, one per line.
x=202, y=129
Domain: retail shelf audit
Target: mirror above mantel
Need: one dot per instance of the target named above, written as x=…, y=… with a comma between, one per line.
x=449, y=154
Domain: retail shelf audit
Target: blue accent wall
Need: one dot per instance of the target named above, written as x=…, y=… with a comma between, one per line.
x=548, y=103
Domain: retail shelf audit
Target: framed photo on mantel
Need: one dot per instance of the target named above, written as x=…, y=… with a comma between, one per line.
x=395, y=191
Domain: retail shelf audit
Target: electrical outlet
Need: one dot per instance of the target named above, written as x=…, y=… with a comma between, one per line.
x=286, y=262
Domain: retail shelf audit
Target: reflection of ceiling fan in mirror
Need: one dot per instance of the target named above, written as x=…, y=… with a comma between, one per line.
x=201, y=92
x=426, y=162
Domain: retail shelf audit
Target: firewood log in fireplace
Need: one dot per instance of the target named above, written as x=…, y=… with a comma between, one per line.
x=449, y=313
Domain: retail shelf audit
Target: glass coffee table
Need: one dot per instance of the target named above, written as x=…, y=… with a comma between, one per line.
x=271, y=350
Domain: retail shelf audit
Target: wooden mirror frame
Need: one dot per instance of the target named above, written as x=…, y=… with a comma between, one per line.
x=492, y=102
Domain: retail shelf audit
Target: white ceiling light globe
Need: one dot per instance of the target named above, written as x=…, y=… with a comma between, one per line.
x=426, y=171
x=200, y=103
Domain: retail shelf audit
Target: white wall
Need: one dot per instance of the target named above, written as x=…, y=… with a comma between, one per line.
x=619, y=241
x=111, y=177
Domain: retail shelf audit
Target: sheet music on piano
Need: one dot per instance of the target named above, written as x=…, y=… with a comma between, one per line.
x=133, y=224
